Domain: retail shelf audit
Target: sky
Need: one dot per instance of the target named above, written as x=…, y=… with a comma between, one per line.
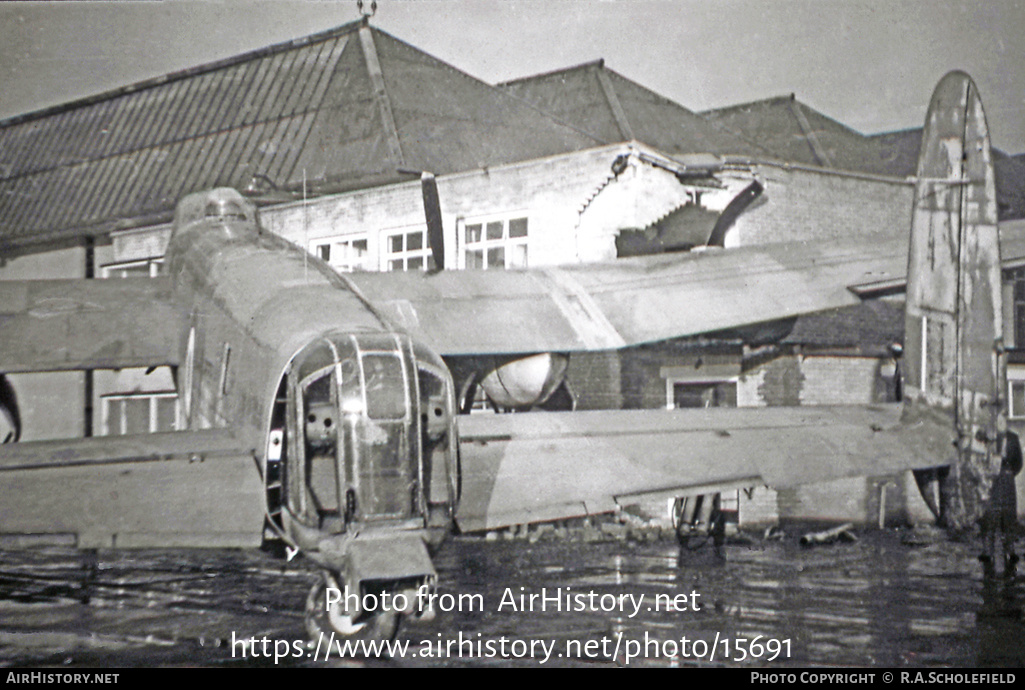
x=871, y=64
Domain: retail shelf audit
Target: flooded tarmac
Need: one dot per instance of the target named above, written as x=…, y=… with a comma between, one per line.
x=887, y=599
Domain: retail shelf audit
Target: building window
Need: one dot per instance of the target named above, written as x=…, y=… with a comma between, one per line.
x=139, y=413
x=144, y=268
x=495, y=243
x=135, y=400
x=1016, y=391
x=691, y=394
x=1018, y=281
x=708, y=381
x=346, y=254
x=406, y=250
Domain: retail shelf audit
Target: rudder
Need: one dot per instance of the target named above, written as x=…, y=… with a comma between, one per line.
x=953, y=366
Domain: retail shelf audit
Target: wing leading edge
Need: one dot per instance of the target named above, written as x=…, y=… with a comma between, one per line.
x=627, y=301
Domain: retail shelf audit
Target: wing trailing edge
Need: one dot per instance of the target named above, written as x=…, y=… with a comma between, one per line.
x=150, y=490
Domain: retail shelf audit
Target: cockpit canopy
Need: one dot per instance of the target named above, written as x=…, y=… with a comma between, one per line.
x=224, y=207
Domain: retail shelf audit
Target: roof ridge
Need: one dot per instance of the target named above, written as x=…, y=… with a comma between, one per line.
x=747, y=104
x=718, y=126
x=788, y=100
x=186, y=73
x=600, y=63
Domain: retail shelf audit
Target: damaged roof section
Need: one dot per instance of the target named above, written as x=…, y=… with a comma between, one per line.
x=342, y=109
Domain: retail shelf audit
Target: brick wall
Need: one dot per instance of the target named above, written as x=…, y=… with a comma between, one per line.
x=799, y=204
x=574, y=203
x=812, y=380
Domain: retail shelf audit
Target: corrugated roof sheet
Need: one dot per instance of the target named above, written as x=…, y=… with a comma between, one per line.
x=316, y=105
x=614, y=108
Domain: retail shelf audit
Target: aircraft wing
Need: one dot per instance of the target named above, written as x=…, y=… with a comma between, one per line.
x=148, y=490
x=51, y=325
x=523, y=468
x=628, y=301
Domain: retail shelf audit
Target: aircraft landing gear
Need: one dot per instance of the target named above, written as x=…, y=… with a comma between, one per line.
x=696, y=520
x=327, y=619
x=933, y=485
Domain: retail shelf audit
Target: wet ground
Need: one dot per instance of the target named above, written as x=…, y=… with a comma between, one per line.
x=890, y=598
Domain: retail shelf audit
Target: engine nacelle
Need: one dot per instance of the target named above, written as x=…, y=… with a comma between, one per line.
x=527, y=381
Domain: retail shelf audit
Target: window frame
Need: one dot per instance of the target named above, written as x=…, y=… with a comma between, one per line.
x=351, y=264
x=405, y=255
x=155, y=266
x=511, y=246
x=108, y=400
x=1015, y=378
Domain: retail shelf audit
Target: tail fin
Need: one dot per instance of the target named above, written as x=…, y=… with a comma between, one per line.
x=953, y=366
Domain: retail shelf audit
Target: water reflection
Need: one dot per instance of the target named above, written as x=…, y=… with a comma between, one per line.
x=876, y=601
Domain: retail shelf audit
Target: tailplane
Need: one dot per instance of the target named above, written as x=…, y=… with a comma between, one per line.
x=953, y=363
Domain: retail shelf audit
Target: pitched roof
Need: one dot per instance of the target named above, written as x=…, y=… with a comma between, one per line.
x=344, y=108
x=871, y=326
x=611, y=107
x=796, y=133
x=897, y=153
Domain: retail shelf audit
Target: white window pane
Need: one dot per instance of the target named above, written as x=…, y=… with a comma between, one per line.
x=518, y=256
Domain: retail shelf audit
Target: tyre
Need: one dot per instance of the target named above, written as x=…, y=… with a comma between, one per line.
x=321, y=619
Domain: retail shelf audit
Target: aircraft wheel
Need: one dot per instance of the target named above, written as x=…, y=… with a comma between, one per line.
x=327, y=621
x=687, y=523
x=698, y=521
